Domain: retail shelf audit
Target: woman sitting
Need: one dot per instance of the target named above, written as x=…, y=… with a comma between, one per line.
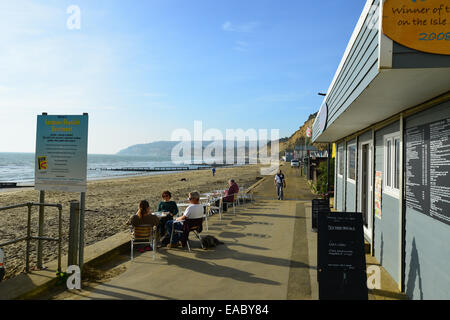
x=166, y=206
x=143, y=217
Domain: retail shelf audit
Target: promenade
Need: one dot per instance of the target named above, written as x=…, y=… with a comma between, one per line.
x=269, y=253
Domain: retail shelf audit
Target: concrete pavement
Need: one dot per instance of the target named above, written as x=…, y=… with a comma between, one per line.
x=268, y=254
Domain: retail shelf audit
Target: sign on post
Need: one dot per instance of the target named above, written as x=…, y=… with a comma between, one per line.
x=61, y=153
x=341, y=260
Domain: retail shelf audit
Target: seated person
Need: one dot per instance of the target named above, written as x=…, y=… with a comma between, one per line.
x=193, y=211
x=229, y=194
x=143, y=217
x=166, y=206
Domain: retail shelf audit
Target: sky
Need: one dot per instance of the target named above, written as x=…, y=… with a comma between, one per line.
x=143, y=69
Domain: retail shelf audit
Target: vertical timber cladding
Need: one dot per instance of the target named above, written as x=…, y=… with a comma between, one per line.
x=386, y=229
x=427, y=207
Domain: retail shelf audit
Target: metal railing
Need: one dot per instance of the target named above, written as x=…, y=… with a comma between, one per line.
x=29, y=237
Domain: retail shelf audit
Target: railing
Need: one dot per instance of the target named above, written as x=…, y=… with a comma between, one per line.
x=29, y=237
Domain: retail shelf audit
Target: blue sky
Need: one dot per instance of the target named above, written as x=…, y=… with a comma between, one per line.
x=142, y=69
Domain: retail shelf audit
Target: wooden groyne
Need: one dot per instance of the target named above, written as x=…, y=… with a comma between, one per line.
x=155, y=169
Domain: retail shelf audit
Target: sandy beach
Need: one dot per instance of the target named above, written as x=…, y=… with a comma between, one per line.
x=109, y=203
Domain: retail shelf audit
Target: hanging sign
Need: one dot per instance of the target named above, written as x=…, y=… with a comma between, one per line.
x=61, y=153
x=423, y=25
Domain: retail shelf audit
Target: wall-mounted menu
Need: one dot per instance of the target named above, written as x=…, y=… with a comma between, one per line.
x=428, y=168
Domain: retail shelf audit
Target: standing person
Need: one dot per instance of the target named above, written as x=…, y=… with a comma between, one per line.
x=280, y=183
x=2, y=268
x=214, y=171
x=143, y=217
x=166, y=206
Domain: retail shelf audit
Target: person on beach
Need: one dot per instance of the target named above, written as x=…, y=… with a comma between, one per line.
x=214, y=171
x=143, y=217
x=166, y=206
x=280, y=183
x=193, y=211
x=229, y=194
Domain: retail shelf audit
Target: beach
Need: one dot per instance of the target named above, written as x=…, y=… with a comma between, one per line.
x=109, y=203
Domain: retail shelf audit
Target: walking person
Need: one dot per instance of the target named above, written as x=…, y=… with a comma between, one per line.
x=280, y=183
x=214, y=171
x=2, y=267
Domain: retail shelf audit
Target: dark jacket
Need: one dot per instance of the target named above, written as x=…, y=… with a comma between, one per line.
x=230, y=192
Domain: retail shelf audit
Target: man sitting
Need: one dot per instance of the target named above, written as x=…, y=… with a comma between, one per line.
x=193, y=211
x=229, y=194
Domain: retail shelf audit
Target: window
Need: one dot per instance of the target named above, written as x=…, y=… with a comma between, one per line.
x=392, y=148
x=397, y=163
x=389, y=163
x=341, y=161
x=351, y=154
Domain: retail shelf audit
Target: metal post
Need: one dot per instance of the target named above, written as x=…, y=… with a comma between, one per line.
x=41, y=228
x=27, y=255
x=81, y=246
x=74, y=229
x=59, y=237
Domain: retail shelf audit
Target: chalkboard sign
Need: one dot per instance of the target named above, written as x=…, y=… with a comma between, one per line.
x=319, y=206
x=341, y=260
x=427, y=169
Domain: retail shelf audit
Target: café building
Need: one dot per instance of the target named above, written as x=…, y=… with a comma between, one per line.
x=387, y=110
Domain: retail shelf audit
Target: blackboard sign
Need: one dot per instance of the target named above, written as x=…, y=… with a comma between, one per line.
x=319, y=206
x=341, y=260
x=427, y=169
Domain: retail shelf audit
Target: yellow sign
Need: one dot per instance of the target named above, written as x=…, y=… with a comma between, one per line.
x=423, y=25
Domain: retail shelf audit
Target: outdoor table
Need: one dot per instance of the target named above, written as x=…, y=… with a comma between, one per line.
x=160, y=214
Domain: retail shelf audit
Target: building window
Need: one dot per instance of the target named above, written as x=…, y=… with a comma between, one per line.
x=341, y=161
x=351, y=162
x=392, y=148
x=397, y=163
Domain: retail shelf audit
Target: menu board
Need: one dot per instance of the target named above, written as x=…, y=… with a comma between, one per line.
x=341, y=261
x=427, y=169
x=319, y=206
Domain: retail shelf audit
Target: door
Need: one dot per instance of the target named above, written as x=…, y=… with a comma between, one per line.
x=365, y=188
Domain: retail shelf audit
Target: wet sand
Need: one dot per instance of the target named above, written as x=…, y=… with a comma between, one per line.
x=109, y=203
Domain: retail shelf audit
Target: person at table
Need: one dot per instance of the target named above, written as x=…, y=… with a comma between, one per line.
x=168, y=206
x=143, y=217
x=229, y=194
x=193, y=211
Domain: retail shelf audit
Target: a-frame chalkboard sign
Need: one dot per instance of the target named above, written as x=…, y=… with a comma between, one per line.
x=341, y=261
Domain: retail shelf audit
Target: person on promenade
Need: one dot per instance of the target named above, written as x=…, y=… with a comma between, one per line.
x=280, y=183
x=229, y=194
x=2, y=268
x=193, y=211
x=166, y=206
x=143, y=217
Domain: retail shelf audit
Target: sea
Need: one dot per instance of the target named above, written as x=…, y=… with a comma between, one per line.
x=19, y=167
